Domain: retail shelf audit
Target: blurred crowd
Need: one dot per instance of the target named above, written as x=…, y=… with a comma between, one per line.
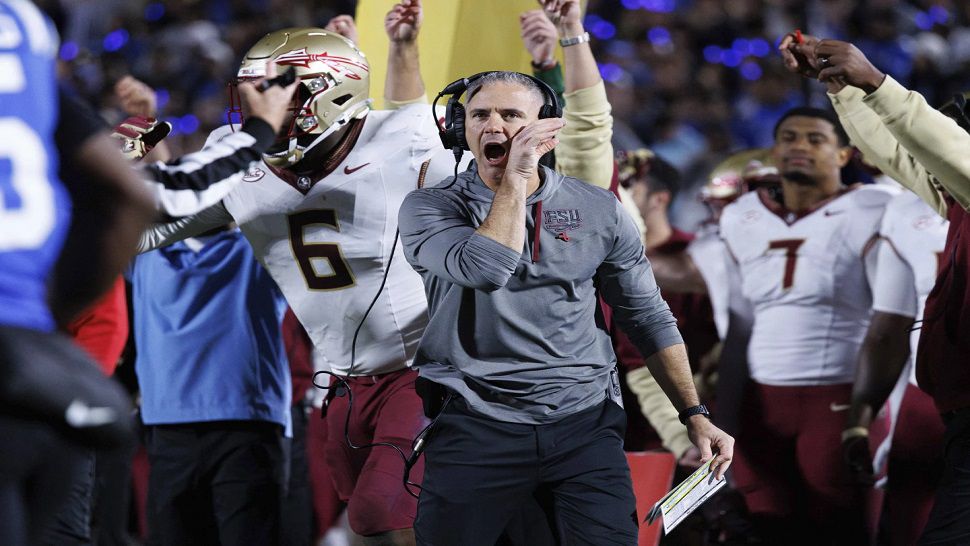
x=691, y=79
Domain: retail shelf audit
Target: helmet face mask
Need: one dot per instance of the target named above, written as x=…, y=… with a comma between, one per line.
x=334, y=86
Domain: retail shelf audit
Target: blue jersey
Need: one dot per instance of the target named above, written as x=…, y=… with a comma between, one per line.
x=34, y=206
x=207, y=327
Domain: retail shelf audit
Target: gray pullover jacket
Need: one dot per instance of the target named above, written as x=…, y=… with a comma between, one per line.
x=518, y=335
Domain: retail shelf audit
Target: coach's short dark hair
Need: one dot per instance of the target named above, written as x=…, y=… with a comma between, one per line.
x=811, y=112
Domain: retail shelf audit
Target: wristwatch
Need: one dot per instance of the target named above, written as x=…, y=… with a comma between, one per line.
x=573, y=40
x=699, y=409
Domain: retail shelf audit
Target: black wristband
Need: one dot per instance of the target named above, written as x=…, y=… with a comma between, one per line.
x=544, y=66
x=699, y=409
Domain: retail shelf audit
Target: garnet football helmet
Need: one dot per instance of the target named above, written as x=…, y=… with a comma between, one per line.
x=334, y=86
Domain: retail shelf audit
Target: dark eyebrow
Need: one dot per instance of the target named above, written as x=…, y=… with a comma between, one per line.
x=809, y=134
x=503, y=111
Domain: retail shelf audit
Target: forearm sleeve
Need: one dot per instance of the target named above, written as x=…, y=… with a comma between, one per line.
x=553, y=78
x=934, y=140
x=658, y=410
x=163, y=234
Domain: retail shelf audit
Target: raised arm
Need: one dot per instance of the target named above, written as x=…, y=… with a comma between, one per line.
x=586, y=151
x=403, y=84
x=199, y=180
x=895, y=128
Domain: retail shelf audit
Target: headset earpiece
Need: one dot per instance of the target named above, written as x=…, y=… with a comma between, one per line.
x=458, y=125
x=549, y=111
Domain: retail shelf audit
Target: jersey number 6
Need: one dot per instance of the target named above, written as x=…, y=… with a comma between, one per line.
x=305, y=252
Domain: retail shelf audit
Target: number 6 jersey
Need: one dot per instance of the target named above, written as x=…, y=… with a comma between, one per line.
x=806, y=277
x=327, y=244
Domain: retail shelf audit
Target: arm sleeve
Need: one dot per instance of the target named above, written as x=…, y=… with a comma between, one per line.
x=585, y=151
x=199, y=180
x=658, y=410
x=626, y=283
x=553, y=78
x=160, y=235
x=438, y=239
x=894, y=290
x=934, y=140
x=870, y=133
x=390, y=104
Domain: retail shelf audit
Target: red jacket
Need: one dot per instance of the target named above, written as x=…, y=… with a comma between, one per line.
x=943, y=355
x=102, y=330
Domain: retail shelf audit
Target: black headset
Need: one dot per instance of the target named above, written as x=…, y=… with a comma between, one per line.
x=452, y=131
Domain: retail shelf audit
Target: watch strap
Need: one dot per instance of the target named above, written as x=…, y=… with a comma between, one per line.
x=699, y=409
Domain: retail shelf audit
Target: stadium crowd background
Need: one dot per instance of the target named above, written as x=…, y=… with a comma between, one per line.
x=692, y=79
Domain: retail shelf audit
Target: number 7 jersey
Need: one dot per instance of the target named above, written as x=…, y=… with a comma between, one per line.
x=327, y=245
x=807, y=280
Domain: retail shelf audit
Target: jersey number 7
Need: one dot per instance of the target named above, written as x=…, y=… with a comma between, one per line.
x=790, y=247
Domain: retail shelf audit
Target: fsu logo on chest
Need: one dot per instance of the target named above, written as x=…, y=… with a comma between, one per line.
x=560, y=220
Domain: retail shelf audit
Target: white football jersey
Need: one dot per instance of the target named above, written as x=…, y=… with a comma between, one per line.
x=328, y=246
x=709, y=254
x=915, y=235
x=806, y=279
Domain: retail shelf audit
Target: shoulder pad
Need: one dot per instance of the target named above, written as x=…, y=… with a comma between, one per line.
x=873, y=196
x=741, y=203
x=218, y=133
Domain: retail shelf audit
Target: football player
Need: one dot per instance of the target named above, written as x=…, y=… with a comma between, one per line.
x=321, y=215
x=805, y=265
x=53, y=398
x=911, y=455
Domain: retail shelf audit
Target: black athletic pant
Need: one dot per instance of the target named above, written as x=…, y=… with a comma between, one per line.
x=949, y=522
x=53, y=399
x=479, y=472
x=218, y=482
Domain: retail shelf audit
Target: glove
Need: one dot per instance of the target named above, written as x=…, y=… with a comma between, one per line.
x=858, y=460
x=139, y=135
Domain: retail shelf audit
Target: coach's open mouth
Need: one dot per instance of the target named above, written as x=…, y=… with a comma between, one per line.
x=495, y=153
